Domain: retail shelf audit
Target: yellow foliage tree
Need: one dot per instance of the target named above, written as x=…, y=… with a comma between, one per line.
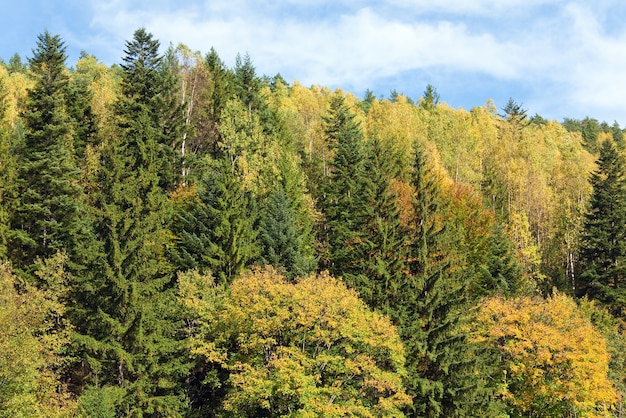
x=554, y=362
x=306, y=349
x=32, y=338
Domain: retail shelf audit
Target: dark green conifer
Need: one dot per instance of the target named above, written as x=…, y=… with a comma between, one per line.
x=343, y=200
x=48, y=215
x=603, y=252
x=441, y=362
x=381, y=254
x=131, y=338
x=216, y=233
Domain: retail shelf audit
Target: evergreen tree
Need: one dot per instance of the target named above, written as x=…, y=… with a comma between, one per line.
x=48, y=216
x=500, y=272
x=223, y=85
x=286, y=225
x=148, y=88
x=16, y=65
x=442, y=364
x=603, y=252
x=344, y=193
x=430, y=99
x=130, y=333
x=217, y=232
x=515, y=113
x=380, y=255
x=247, y=84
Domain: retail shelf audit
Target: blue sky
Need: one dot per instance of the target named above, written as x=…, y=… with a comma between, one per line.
x=559, y=58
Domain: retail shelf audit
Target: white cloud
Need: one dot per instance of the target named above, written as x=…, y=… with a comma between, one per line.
x=556, y=50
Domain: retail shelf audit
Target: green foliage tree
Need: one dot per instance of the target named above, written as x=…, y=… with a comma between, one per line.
x=285, y=242
x=380, y=255
x=128, y=335
x=16, y=65
x=48, y=215
x=603, y=252
x=515, y=113
x=306, y=349
x=444, y=374
x=344, y=192
x=217, y=231
x=430, y=99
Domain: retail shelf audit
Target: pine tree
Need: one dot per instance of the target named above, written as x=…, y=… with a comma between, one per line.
x=48, y=216
x=603, y=252
x=131, y=336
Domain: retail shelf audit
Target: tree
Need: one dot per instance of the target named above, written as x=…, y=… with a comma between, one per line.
x=430, y=99
x=603, y=252
x=343, y=204
x=79, y=100
x=48, y=216
x=553, y=361
x=515, y=113
x=16, y=65
x=285, y=240
x=444, y=374
x=309, y=348
x=129, y=327
x=148, y=86
x=8, y=169
x=217, y=232
x=379, y=258
x=33, y=338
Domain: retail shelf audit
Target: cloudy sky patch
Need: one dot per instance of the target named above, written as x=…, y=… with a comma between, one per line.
x=559, y=58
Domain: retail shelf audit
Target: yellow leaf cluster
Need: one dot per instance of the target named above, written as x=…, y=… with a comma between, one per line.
x=31, y=343
x=552, y=356
x=310, y=348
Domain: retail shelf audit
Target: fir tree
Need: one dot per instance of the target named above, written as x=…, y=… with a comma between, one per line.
x=603, y=252
x=216, y=233
x=381, y=254
x=430, y=99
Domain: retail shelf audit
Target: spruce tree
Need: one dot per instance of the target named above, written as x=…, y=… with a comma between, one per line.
x=48, y=216
x=381, y=254
x=603, y=252
x=286, y=222
x=441, y=361
x=132, y=338
x=343, y=201
x=217, y=232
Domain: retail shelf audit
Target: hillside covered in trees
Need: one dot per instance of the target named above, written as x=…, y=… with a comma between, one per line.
x=180, y=238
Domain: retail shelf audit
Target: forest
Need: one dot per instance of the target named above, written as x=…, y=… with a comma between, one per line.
x=183, y=239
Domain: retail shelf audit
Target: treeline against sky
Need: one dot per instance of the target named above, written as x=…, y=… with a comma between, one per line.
x=180, y=238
